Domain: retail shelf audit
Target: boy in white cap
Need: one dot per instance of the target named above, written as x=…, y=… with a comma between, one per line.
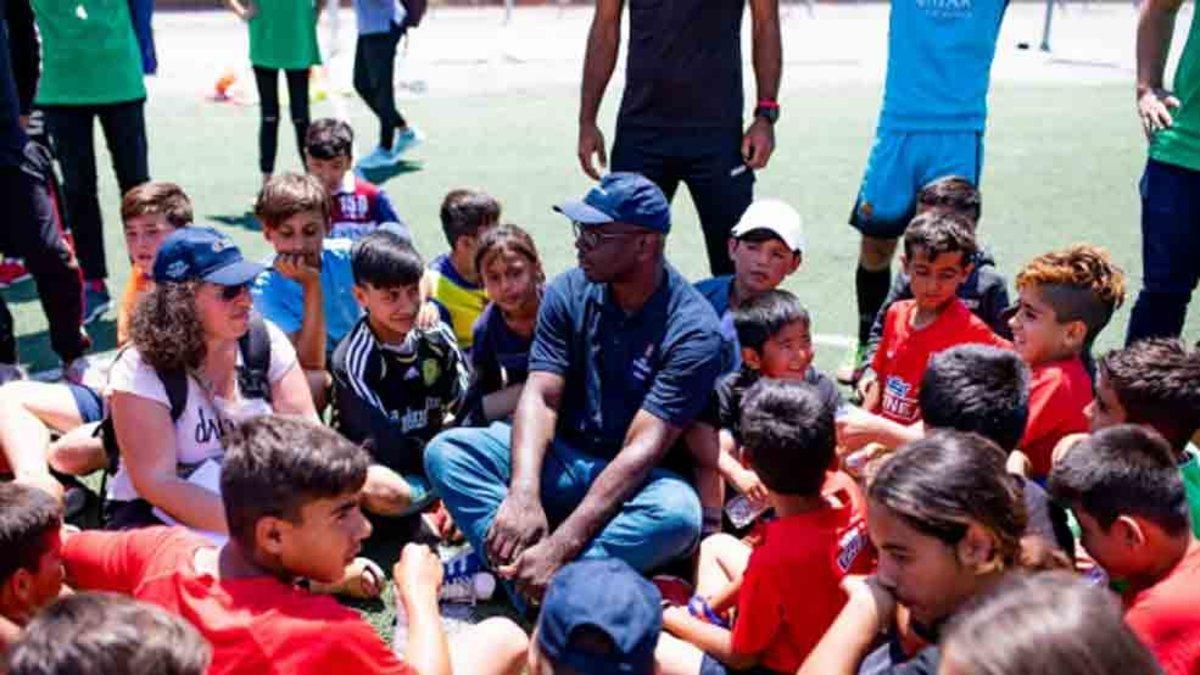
x=766, y=247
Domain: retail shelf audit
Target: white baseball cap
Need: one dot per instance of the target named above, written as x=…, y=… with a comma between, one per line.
x=774, y=216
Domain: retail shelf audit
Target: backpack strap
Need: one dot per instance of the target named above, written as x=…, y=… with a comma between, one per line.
x=175, y=382
x=253, y=375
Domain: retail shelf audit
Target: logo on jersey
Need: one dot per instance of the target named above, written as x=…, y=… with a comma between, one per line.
x=851, y=543
x=898, y=400
x=641, y=366
x=946, y=9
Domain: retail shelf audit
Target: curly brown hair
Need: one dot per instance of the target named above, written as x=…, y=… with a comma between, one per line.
x=166, y=328
x=1081, y=283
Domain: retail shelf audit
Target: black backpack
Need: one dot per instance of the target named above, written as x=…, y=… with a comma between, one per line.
x=252, y=378
x=414, y=12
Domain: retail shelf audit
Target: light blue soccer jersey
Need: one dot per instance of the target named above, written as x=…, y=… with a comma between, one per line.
x=939, y=63
x=281, y=300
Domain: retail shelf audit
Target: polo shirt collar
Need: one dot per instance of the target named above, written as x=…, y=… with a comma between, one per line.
x=601, y=295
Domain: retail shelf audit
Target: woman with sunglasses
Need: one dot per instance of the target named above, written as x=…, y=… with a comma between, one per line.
x=190, y=322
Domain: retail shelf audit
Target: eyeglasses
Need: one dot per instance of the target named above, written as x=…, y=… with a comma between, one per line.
x=231, y=293
x=590, y=237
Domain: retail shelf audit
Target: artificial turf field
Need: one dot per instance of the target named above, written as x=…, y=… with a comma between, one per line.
x=1063, y=149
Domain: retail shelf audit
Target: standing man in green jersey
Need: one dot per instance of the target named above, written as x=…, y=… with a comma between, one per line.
x=92, y=68
x=1170, y=186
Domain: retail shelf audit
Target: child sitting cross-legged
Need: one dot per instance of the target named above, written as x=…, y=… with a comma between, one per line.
x=508, y=263
x=395, y=384
x=786, y=590
x=775, y=335
x=291, y=490
x=1124, y=487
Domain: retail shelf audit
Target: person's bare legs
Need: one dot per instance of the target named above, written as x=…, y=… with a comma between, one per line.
x=496, y=646
x=723, y=559
x=28, y=412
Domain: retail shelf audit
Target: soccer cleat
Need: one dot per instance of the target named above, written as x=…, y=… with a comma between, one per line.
x=468, y=589
x=96, y=300
x=406, y=140
x=12, y=271
x=376, y=159
x=852, y=364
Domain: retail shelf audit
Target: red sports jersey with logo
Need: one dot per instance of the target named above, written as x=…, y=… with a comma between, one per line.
x=358, y=207
x=904, y=352
x=791, y=590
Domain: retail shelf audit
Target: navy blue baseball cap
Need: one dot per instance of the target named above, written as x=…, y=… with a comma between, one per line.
x=622, y=197
x=607, y=596
x=202, y=253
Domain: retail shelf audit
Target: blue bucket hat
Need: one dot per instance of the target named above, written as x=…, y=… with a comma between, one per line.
x=622, y=197
x=204, y=254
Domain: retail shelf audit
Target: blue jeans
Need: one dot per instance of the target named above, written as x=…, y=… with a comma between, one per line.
x=1170, y=250
x=471, y=469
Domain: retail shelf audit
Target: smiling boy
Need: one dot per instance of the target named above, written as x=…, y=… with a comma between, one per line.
x=937, y=252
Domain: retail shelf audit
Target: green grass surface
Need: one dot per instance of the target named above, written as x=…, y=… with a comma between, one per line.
x=1061, y=167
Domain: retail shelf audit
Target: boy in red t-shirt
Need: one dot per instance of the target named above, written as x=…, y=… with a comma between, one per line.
x=291, y=490
x=31, y=572
x=1065, y=298
x=1125, y=490
x=938, y=249
x=789, y=584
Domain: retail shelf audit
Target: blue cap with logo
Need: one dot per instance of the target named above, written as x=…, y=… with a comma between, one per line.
x=622, y=197
x=607, y=596
x=202, y=253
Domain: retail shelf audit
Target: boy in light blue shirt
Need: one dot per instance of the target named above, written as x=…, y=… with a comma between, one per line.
x=931, y=125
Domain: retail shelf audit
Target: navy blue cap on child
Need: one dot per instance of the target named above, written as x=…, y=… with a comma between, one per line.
x=202, y=253
x=608, y=596
x=622, y=197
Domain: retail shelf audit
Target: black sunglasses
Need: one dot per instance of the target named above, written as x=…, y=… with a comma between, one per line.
x=231, y=293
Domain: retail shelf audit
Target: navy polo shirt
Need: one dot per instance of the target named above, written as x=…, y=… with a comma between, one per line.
x=663, y=359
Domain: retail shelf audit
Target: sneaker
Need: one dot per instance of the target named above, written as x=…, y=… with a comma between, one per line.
x=406, y=140
x=464, y=564
x=12, y=271
x=378, y=158
x=96, y=300
x=468, y=589
x=852, y=364
x=10, y=372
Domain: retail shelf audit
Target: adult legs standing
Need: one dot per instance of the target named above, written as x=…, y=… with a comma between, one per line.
x=1170, y=242
x=124, y=127
x=267, y=82
x=721, y=185
x=374, y=71
x=297, y=83
x=72, y=137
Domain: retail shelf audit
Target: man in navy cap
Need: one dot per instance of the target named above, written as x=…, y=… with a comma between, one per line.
x=623, y=357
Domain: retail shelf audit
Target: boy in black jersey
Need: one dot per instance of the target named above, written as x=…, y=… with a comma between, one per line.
x=395, y=385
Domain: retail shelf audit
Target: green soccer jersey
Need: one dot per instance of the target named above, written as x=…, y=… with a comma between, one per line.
x=89, y=53
x=1180, y=144
x=283, y=35
x=1190, y=470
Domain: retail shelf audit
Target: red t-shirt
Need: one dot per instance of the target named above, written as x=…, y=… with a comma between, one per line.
x=904, y=352
x=255, y=624
x=1058, y=393
x=1165, y=616
x=790, y=592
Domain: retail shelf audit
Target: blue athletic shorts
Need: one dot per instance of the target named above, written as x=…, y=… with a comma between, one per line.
x=903, y=162
x=88, y=401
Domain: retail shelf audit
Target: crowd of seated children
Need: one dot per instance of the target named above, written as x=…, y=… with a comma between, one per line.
x=452, y=280
x=31, y=411
x=356, y=206
x=766, y=246
x=511, y=271
x=395, y=384
x=783, y=593
x=1124, y=487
